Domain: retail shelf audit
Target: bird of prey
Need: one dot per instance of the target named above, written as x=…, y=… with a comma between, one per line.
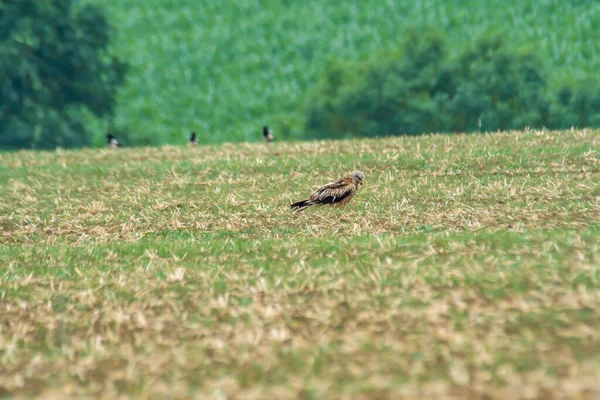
x=112, y=141
x=336, y=193
x=193, y=139
x=268, y=134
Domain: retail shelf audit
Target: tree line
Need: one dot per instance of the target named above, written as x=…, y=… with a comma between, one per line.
x=56, y=72
x=422, y=88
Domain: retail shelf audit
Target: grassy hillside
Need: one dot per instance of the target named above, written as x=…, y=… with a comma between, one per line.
x=467, y=265
x=226, y=68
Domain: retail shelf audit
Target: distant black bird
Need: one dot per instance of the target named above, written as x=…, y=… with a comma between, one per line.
x=112, y=141
x=193, y=139
x=268, y=134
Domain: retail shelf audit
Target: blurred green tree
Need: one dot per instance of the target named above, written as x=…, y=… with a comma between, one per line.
x=396, y=92
x=577, y=105
x=53, y=67
x=498, y=88
x=420, y=88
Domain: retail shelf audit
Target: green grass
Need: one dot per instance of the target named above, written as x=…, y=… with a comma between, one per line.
x=465, y=266
x=225, y=68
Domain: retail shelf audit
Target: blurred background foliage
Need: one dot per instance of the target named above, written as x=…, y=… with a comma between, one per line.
x=307, y=69
x=55, y=73
x=424, y=87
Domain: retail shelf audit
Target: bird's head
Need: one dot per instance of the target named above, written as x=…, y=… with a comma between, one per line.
x=358, y=177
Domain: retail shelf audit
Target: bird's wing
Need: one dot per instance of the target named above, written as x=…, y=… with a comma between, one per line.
x=334, y=191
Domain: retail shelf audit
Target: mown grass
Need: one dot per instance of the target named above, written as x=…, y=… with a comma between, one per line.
x=225, y=68
x=466, y=266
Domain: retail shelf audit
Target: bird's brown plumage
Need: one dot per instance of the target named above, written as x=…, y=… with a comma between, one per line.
x=337, y=193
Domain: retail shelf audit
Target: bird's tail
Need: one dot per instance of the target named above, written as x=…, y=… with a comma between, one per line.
x=301, y=205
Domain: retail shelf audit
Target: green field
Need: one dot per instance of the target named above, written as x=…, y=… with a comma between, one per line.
x=225, y=68
x=465, y=266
